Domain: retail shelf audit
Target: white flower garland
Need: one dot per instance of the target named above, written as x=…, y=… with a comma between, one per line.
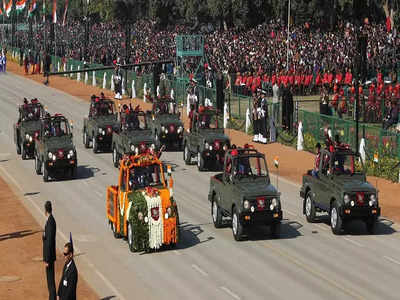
x=156, y=228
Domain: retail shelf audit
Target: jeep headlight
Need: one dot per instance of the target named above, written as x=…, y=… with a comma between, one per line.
x=54, y=157
x=206, y=145
x=103, y=132
x=180, y=129
x=100, y=130
x=274, y=203
x=30, y=139
x=346, y=199
x=133, y=148
x=352, y=203
x=153, y=146
x=50, y=155
x=246, y=204
x=70, y=154
x=166, y=131
x=27, y=136
x=372, y=200
x=162, y=128
x=137, y=150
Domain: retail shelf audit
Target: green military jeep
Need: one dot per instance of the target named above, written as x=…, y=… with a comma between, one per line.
x=132, y=136
x=99, y=126
x=165, y=123
x=244, y=193
x=55, y=153
x=205, y=140
x=341, y=189
x=26, y=130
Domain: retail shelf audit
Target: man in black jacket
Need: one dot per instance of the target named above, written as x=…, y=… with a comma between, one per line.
x=287, y=109
x=69, y=278
x=49, y=249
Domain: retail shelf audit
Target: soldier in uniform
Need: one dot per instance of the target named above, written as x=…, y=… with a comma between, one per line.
x=256, y=120
x=117, y=82
x=263, y=117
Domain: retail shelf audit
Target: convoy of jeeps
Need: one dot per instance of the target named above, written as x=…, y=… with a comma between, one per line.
x=142, y=207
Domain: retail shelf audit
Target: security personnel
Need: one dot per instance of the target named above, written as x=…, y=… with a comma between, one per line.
x=69, y=278
x=117, y=82
x=256, y=119
x=263, y=117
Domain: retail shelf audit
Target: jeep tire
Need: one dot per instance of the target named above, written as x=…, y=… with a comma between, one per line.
x=336, y=219
x=45, y=174
x=276, y=230
x=200, y=161
x=371, y=224
x=38, y=166
x=94, y=145
x=23, y=156
x=309, y=208
x=237, y=226
x=187, y=157
x=18, y=148
x=115, y=156
x=216, y=214
x=86, y=142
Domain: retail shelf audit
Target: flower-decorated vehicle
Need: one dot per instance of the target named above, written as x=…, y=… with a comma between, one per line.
x=244, y=193
x=55, y=152
x=26, y=130
x=131, y=134
x=165, y=123
x=99, y=125
x=141, y=207
x=339, y=187
x=205, y=140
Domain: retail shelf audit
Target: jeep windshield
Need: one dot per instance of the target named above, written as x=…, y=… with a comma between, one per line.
x=250, y=167
x=141, y=177
x=344, y=163
x=208, y=120
x=56, y=127
x=31, y=112
x=165, y=108
x=134, y=121
x=102, y=109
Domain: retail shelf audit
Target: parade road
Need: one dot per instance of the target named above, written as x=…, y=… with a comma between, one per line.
x=307, y=262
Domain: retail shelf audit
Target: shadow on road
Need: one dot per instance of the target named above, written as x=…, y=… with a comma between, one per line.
x=31, y=194
x=17, y=234
x=289, y=230
x=358, y=227
x=84, y=172
x=108, y=298
x=189, y=235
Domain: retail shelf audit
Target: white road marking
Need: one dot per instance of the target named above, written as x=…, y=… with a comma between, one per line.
x=63, y=236
x=321, y=227
x=99, y=194
x=289, y=212
x=229, y=292
x=354, y=242
x=200, y=270
x=392, y=260
x=177, y=252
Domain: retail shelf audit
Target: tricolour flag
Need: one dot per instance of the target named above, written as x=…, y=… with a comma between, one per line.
x=8, y=8
x=32, y=8
x=376, y=158
x=65, y=12
x=276, y=161
x=20, y=6
x=54, y=14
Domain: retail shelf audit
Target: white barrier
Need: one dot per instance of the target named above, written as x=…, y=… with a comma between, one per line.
x=78, y=77
x=72, y=68
x=123, y=86
x=362, y=150
x=86, y=77
x=300, y=139
x=133, y=89
x=144, y=91
x=247, y=120
x=104, y=80
x=112, y=83
x=226, y=115
x=94, y=78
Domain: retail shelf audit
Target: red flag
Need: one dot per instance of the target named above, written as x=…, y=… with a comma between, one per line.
x=388, y=24
x=54, y=11
x=65, y=12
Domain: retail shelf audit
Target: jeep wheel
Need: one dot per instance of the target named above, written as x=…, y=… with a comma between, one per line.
x=115, y=157
x=114, y=230
x=309, y=208
x=38, y=166
x=276, y=230
x=45, y=174
x=85, y=140
x=94, y=145
x=216, y=214
x=18, y=148
x=73, y=173
x=200, y=161
x=157, y=140
x=336, y=219
x=23, y=156
x=187, y=157
x=131, y=238
x=371, y=225
x=237, y=227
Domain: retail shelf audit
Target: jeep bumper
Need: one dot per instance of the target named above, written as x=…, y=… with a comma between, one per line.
x=171, y=137
x=360, y=212
x=29, y=148
x=53, y=165
x=264, y=217
x=214, y=155
x=104, y=140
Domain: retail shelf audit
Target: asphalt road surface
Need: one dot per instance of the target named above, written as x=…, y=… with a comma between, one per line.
x=307, y=262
